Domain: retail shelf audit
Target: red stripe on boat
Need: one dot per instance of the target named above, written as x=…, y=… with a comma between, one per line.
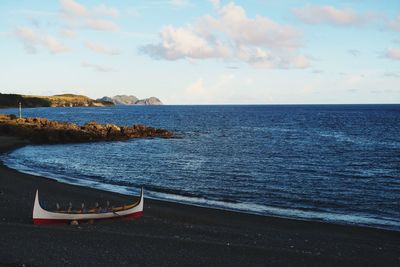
x=55, y=221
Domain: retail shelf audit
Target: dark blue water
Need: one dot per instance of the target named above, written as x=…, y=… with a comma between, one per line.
x=334, y=163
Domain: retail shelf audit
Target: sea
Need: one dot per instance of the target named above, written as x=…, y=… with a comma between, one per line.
x=332, y=163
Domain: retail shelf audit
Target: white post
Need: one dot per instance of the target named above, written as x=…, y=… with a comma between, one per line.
x=20, y=110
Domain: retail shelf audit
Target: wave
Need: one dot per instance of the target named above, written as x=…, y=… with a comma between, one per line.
x=323, y=163
x=344, y=138
x=181, y=196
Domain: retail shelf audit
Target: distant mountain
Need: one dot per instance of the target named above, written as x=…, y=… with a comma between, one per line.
x=131, y=100
x=149, y=101
x=106, y=98
x=65, y=100
x=123, y=99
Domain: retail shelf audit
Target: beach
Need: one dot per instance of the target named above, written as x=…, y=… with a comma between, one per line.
x=171, y=234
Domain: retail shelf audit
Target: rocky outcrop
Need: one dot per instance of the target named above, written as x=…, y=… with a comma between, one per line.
x=120, y=100
x=124, y=99
x=149, y=101
x=106, y=98
x=131, y=100
x=45, y=131
x=71, y=100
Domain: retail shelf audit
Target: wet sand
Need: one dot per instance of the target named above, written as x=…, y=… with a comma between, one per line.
x=171, y=234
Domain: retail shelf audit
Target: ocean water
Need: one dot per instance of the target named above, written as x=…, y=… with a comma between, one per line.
x=337, y=163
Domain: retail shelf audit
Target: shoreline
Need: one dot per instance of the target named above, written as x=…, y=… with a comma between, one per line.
x=240, y=238
x=382, y=226
x=220, y=208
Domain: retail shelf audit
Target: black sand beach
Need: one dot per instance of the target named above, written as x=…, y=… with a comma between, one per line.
x=173, y=234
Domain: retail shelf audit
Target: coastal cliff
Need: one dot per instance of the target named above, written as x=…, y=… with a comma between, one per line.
x=124, y=100
x=71, y=100
x=13, y=100
x=121, y=100
x=65, y=100
x=45, y=131
x=149, y=101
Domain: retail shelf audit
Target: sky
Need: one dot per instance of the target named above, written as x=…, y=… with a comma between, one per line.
x=204, y=51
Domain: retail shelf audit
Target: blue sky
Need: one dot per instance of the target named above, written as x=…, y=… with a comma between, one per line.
x=204, y=52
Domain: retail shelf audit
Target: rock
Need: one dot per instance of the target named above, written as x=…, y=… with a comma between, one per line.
x=92, y=126
x=7, y=117
x=131, y=100
x=149, y=101
x=44, y=131
x=112, y=127
x=105, y=98
x=120, y=99
x=124, y=99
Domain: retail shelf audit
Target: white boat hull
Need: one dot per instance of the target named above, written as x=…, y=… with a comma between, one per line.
x=42, y=216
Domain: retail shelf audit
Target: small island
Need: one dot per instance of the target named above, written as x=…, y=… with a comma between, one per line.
x=45, y=131
x=130, y=100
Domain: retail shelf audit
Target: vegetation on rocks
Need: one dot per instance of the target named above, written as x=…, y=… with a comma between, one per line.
x=13, y=100
x=70, y=100
x=65, y=100
x=45, y=131
x=132, y=100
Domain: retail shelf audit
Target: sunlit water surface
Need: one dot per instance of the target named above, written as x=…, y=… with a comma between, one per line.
x=331, y=163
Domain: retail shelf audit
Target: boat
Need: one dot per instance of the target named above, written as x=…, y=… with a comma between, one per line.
x=42, y=216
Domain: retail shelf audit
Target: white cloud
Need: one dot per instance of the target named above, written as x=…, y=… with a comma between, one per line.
x=73, y=8
x=232, y=35
x=215, y=3
x=354, y=52
x=227, y=88
x=53, y=45
x=102, y=25
x=395, y=24
x=197, y=90
x=78, y=16
x=97, y=67
x=393, y=53
x=101, y=49
x=182, y=42
x=28, y=37
x=103, y=10
x=201, y=93
x=32, y=40
x=68, y=33
x=315, y=14
x=258, y=31
x=301, y=62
